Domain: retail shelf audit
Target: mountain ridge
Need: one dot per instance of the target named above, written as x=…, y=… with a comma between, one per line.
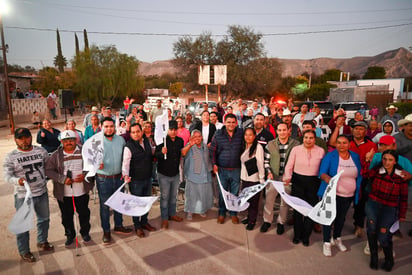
x=397, y=63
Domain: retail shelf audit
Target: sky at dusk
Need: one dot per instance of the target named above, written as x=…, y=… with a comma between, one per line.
x=296, y=29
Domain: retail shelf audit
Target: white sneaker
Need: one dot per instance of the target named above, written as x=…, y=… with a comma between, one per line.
x=366, y=250
x=327, y=249
x=339, y=245
x=189, y=216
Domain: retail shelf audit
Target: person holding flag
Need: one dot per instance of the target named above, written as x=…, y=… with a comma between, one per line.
x=65, y=168
x=108, y=178
x=347, y=189
x=168, y=156
x=302, y=171
x=137, y=171
x=26, y=164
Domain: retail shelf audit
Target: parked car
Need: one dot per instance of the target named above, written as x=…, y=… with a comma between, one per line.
x=352, y=107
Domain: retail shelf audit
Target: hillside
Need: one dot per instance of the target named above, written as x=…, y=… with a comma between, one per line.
x=398, y=63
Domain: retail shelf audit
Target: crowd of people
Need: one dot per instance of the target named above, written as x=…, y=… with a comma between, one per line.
x=240, y=147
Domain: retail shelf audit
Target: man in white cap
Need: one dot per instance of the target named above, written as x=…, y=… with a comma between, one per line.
x=294, y=128
x=392, y=115
x=65, y=168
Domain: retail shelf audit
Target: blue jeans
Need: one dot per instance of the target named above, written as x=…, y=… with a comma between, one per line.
x=106, y=187
x=379, y=220
x=342, y=207
x=41, y=207
x=230, y=180
x=168, y=192
x=141, y=188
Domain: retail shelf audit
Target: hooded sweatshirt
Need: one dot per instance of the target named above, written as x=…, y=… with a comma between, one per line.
x=378, y=136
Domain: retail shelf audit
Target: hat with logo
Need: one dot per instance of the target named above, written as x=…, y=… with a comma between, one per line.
x=387, y=140
x=68, y=134
x=22, y=132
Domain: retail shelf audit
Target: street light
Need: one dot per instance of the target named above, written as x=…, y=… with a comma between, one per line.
x=3, y=10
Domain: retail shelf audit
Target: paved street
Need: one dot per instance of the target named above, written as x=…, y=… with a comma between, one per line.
x=200, y=246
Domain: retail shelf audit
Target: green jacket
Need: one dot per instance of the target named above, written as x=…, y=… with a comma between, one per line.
x=274, y=157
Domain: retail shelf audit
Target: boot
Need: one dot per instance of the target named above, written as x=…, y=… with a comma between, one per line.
x=373, y=248
x=388, y=251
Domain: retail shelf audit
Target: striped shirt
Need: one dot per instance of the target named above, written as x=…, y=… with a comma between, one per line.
x=73, y=162
x=282, y=152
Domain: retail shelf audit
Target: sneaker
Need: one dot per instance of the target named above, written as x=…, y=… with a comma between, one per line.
x=339, y=245
x=280, y=229
x=265, y=226
x=122, y=230
x=189, y=216
x=86, y=238
x=366, y=250
x=28, y=257
x=107, y=238
x=327, y=249
x=45, y=246
x=69, y=240
x=245, y=221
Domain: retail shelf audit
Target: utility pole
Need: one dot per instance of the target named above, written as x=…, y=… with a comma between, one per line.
x=6, y=78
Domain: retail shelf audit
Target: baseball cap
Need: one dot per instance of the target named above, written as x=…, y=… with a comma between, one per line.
x=68, y=134
x=387, y=140
x=95, y=109
x=22, y=132
x=360, y=123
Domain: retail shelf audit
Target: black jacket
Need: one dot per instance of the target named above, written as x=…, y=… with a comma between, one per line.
x=170, y=166
x=199, y=126
x=141, y=162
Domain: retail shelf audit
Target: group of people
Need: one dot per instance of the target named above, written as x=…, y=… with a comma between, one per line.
x=278, y=144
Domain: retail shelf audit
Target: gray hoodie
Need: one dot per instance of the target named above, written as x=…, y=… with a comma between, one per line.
x=378, y=136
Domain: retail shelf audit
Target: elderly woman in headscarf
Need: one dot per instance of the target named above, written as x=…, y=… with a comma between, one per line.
x=197, y=170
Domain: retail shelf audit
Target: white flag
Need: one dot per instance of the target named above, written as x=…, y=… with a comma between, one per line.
x=161, y=128
x=92, y=154
x=128, y=204
x=324, y=211
x=23, y=220
x=394, y=227
x=296, y=203
x=239, y=203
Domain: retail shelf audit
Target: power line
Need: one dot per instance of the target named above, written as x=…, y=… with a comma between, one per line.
x=215, y=35
x=224, y=13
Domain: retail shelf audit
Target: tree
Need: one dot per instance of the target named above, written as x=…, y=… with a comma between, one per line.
x=375, y=72
x=76, y=44
x=318, y=91
x=86, y=41
x=59, y=61
x=104, y=73
x=330, y=75
x=249, y=72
